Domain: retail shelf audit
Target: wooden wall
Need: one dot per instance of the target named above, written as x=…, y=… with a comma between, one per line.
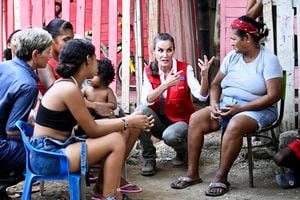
x=100, y=16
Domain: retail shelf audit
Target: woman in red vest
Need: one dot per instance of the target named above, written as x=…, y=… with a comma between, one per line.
x=166, y=95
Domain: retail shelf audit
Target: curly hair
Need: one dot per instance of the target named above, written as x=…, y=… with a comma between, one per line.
x=106, y=71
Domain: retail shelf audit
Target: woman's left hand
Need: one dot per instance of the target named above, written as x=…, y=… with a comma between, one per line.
x=233, y=109
x=205, y=65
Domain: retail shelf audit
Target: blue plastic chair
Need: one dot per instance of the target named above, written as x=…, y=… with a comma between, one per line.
x=30, y=177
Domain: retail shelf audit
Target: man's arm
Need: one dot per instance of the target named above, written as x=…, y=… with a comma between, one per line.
x=25, y=101
x=254, y=8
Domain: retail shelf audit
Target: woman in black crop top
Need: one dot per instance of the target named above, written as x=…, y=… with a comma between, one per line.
x=63, y=107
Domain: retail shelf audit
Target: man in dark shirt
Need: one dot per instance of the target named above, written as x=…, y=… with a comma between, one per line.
x=18, y=93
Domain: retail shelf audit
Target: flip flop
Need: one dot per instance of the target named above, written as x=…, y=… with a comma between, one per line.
x=224, y=187
x=130, y=188
x=185, y=181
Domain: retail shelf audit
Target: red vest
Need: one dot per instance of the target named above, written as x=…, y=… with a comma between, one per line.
x=178, y=103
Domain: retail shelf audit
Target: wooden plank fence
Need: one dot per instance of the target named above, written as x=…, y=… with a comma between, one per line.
x=282, y=40
x=100, y=16
x=282, y=22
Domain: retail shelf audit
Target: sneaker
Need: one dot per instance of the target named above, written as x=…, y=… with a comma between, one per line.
x=179, y=160
x=149, y=168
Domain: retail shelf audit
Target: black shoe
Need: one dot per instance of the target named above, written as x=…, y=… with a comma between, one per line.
x=149, y=168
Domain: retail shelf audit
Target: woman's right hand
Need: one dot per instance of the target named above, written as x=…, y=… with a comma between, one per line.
x=172, y=79
x=215, y=111
x=140, y=120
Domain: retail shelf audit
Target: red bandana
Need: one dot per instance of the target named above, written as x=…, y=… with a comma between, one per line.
x=244, y=26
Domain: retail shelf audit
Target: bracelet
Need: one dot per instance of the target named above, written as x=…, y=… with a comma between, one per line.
x=125, y=124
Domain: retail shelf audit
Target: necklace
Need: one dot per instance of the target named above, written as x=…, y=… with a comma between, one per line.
x=74, y=80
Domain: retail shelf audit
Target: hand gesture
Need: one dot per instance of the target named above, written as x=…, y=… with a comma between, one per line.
x=205, y=65
x=172, y=79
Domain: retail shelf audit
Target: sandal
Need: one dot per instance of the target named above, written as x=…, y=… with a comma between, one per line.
x=217, y=189
x=185, y=181
x=129, y=188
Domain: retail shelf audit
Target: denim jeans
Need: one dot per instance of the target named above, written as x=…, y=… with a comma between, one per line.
x=12, y=155
x=263, y=117
x=49, y=165
x=173, y=134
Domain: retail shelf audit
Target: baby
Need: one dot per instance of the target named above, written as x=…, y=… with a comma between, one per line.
x=98, y=89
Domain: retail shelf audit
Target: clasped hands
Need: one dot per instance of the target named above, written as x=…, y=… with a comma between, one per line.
x=230, y=109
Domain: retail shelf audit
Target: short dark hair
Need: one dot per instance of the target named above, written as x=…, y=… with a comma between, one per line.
x=56, y=26
x=72, y=55
x=106, y=71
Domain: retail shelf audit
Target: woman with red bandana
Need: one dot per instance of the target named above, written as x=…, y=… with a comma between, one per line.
x=243, y=99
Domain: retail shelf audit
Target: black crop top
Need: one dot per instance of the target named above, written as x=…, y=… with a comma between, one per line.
x=59, y=120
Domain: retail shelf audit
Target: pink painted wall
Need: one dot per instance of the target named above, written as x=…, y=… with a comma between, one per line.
x=230, y=10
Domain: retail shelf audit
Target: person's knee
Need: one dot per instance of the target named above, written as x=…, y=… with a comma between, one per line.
x=234, y=129
x=143, y=108
x=279, y=159
x=172, y=139
x=118, y=142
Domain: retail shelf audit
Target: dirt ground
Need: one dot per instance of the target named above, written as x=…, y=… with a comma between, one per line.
x=158, y=186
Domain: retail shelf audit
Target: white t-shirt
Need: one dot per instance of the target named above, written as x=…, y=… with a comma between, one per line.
x=247, y=81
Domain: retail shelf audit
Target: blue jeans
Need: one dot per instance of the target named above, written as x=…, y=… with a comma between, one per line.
x=263, y=117
x=173, y=134
x=49, y=165
x=12, y=155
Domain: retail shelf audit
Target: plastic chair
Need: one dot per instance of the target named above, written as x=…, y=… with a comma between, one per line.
x=273, y=138
x=75, y=180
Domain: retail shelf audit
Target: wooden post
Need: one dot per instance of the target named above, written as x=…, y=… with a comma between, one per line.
x=10, y=18
x=25, y=13
x=139, y=58
x=17, y=14
x=298, y=43
x=96, y=26
x=65, y=14
x=49, y=10
x=153, y=24
x=125, y=54
x=285, y=43
x=112, y=35
x=268, y=20
x=37, y=13
x=80, y=17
